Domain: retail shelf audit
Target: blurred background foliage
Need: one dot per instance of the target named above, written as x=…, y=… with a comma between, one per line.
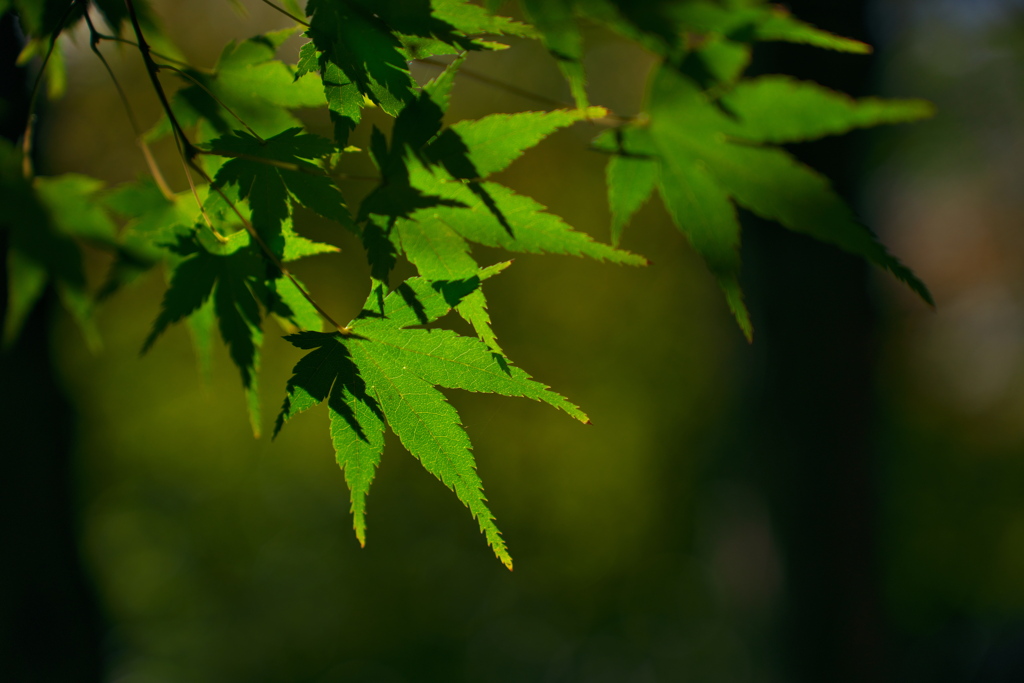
x=645, y=548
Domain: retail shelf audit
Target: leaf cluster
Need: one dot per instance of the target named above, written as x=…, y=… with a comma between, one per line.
x=708, y=141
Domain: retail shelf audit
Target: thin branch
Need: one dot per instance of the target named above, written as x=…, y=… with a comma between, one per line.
x=185, y=147
x=154, y=169
x=199, y=202
x=188, y=152
x=256, y=237
x=26, y=143
x=214, y=97
x=285, y=12
x=166, y=58
x=612, y=119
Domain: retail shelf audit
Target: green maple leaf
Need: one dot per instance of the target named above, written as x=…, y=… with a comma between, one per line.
x=361, y=49
x=152, y=220
x=247, y=82
x=704, y=161
x=477, y=148
x=226, y=284
x=205, y=282
x=72, y=202
x=471, y=20
x=274, y=174
x=46, y=220
x=561, y=35
x=722, y=32
x=436, y=239
x=357, y=41
x=39, y=251
x=781, y=109
x=344, y=100
x=385, y=373
x=756, y=20
x=431, y=212
x=445, y=27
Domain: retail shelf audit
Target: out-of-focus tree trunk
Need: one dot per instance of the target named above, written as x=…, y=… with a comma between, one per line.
x=50, y=628
x=810, y=438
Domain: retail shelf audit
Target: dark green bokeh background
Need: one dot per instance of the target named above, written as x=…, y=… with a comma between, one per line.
x=651, y=546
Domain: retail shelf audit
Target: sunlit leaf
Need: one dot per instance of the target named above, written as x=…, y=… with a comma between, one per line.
x=386, y=372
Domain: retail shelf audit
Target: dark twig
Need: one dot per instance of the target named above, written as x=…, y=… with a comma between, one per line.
x=26, y=143
x=188, y=152
x=185, y=147
x=154, y=169
x=216, y=99
x=166, y=58
x=285, y=12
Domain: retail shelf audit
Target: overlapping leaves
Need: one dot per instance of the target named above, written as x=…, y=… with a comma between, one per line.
x=230, y=284
x=274, y=174
x=707, y=142
x=247, y=88
x=720, y=30
x=705, y=157
x=384, y=373
x=361, y=49
x=434, y=204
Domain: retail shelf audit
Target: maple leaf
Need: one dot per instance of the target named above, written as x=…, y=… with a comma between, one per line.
x=45, y=220
x=225, y=284
x=748, y=22
x=561, y=35
x=718, y=33
x=471, y=20
x=436, y=238
x=273, y=174
x=152, y=220
x=356, y=40
x=431, y=211
x=445, y=27
x=247, y=82
x=780, y=109
x=385, y=373
x=702, y=160
x=361, y=49
x=344, y=100
x=476, y=148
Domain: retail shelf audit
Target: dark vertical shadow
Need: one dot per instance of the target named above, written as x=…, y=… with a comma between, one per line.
x=812, y=411
x=50, y=625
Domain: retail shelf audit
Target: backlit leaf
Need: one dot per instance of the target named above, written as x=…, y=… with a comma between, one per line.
x=386, y=372
x=707, y=160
